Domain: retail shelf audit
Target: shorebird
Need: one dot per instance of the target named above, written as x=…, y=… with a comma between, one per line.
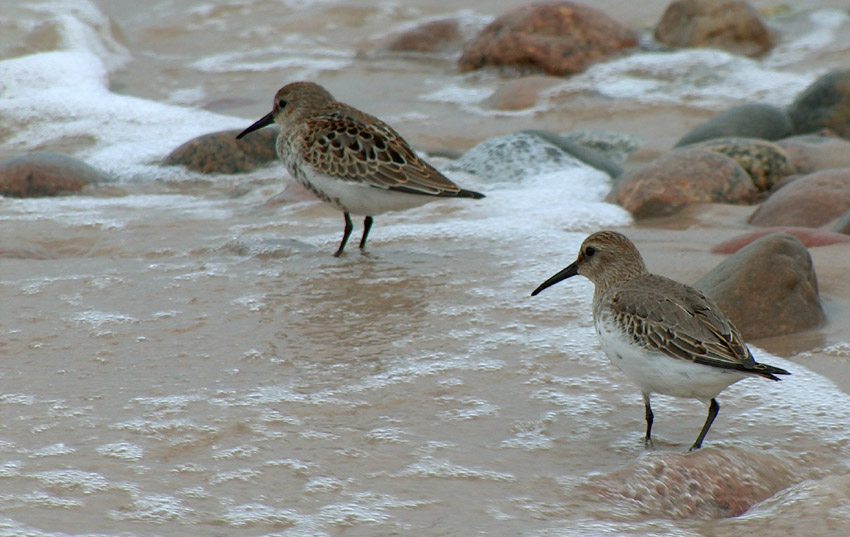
x=349, y=159
x=667, y=337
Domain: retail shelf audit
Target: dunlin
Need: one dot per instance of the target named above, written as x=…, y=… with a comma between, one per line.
x=666, y=336
x=349, y=159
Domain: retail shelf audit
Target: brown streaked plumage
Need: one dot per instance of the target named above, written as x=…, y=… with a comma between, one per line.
x=668, y=337
x=349, y=159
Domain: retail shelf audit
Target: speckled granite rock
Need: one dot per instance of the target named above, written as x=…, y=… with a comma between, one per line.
x=221, y=152
x=514, y=157
x=765, y=161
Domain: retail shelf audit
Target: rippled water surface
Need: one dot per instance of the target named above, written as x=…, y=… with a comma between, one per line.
x=180, y=357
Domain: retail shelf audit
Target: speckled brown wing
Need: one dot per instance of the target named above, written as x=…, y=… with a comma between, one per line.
x=681, y=322
x=352, y=146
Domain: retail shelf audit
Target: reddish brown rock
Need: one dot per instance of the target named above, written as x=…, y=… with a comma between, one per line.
x=824, y=105
x=809, y=237
x=221, y=152
x=682, y=177
x=558, y=38
x=430, y=37
x=766, y=162
x=731, y=25
x=767, y=288
x=46, y=174
x=705, y=484
x=813, y=152
x=810, y=201
x=520, y=93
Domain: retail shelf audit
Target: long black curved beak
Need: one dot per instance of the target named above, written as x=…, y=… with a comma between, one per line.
x=568, y=272
x=264, y=121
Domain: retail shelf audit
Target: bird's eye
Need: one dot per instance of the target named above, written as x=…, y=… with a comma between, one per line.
x=281, y=104
x=589, y=251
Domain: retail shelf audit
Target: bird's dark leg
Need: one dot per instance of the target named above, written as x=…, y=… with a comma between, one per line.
x=345, y=233
x=647, y=440
x=367, y=225
x=713, y=408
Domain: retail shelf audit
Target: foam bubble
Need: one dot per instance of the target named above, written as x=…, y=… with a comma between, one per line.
x=710, y=77
x=121, y=450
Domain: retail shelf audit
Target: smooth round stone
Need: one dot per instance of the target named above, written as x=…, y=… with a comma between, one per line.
x=680, y=178
x=731, y=25
x=810, y=201
x=767, y=288
x=428, y=38
x=221, y=152
x=558, y=38
x=710, y=478
x=813, y=152
x=519, y=94
x=808, y=237
x=754, y=120
x=615, y=145
x=825, y=104
x=46, y=174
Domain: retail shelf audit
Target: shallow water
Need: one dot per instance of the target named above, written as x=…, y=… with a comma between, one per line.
x=181, y=358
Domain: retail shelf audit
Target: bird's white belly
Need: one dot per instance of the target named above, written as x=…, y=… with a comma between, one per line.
x=361, y=198
x=655, y=372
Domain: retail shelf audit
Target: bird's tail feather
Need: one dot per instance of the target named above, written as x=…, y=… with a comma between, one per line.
x=769, y=371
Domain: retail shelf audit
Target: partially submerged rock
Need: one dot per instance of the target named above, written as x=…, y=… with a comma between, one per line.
x=221, y=152
x=589, y=156
x=46, y=174
x=558, y=38
x=705, y=484
x=767, y=288
x=752, y=120
x=520, y=93
x=731, y=25
x=429, y=38
x=513, y=157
